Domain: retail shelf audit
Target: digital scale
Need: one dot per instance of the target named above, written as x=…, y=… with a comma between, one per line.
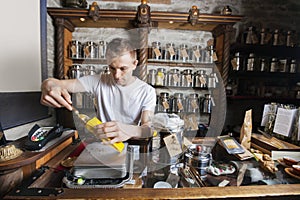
x=101, y=166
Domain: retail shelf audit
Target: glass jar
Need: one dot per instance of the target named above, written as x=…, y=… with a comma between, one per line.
x=250, y=62
x=151, y=77
x=193, y=103
x=200, y=79
x=206, y=104
x=274, y=65
x=293, y=66
x=183, y=53
x=187, y=78
x=75, y=71
x=164, y=102
x=102, y=49
x=75, y=49
x=263, y=65
x=212, y=81
x=160, y=79
x=173, y=78
x=90, y=50
x=196, y=54
x=90, y=70
x=156, y=51
x=236, y=62
x=178, y=103
x=170, y=52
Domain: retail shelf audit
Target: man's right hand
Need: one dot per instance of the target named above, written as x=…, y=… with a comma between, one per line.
x=55, y=93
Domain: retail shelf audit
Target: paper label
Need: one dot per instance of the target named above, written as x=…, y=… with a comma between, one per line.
x=87, y=51
x=173, y=145
x=176, y=78
x=184, y=53
x=171, y=51
x=188, y=78
x=234, y=64
x=215, y=57
x=165, y=105
x=284, y=121
x=179, y=105
x=194, y=104
x=202, y=80
x=197, y=53
x=157, y=52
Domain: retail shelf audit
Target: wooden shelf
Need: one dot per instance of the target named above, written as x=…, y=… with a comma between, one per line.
x=126, y=19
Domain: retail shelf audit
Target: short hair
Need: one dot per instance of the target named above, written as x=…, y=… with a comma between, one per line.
x=118, y=47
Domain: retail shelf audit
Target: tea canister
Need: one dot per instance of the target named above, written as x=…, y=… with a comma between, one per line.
x=102, y=49
x=75, y=71
x=90, y=50
x=151, y=76
x=75, y=49
x=196, y=54
x=198, y=157
x=293, y=66
x=164, y=102
x=193, y=103
x=178, y=103
x=156, y=51
x=90, y=70
x=183, y=53
x=160, y=78
x=250, y=62
x=206, y=104
x=200, y=79
x=170, y=52
x=173, y=77
x=187, y=78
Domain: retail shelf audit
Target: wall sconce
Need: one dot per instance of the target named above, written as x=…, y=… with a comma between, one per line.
x=193, y=15
x=94, y=11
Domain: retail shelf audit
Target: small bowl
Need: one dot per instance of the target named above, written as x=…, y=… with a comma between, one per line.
x=296, y=169
x=289, y=161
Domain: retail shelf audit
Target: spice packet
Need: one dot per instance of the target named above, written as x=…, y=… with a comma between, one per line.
x=231, y=145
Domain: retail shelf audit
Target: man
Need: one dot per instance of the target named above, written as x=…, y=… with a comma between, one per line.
x=125, y=104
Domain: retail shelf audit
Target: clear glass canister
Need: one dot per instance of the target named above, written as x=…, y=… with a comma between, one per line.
x=187, y=78
x=170, y=52
x=200, y=79
x=196, y=54
x=102, y=49
x=212, y=81
x=293, y=66
x=274, y=65
x=160, y=78
x=250, y=62
x=236, y=62
x=90, y=70
x=156, y=51
x=193, y=103
x=173, y=77
x=90, y=50
x=183, y=53
x=178, y=103
x=163, y=102
x=151, y=76
x=75, y=71
x=75, y=49
x=206, y=104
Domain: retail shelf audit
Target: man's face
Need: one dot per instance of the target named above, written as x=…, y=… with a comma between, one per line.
x=121, y=68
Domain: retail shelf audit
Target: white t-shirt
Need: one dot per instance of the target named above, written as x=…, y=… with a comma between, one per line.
x=120, y=103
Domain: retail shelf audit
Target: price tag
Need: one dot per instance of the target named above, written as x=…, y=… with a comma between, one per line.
x=179, y=105
x=87, y=51
x=157, y=52
x=173, y=145
x=176, y=78
x=194, y=104
x=166, y=105
x=202, y=80
x=184, y=53
x=73, y=50
x=171, y=51
x=234, y=64
x=197, y=53
x=188, y=78
x=215, y=58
